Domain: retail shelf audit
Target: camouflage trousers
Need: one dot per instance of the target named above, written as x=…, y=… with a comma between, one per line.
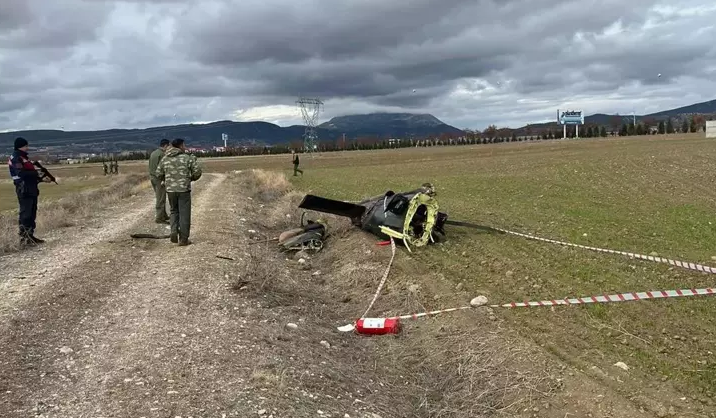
x=180, y=215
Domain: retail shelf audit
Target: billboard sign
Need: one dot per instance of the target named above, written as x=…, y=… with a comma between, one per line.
x=570, y=117
x=710, y=129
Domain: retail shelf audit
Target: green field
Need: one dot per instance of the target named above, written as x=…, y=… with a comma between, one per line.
x=643, y=194
x=637, y=194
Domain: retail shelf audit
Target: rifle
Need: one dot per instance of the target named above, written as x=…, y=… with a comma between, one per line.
x=45, y=172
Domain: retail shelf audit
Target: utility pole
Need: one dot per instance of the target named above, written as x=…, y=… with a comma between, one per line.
x=344, y=141
x=310, y=107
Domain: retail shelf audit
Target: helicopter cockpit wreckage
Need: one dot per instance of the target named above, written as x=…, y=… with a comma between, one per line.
x=412, y=218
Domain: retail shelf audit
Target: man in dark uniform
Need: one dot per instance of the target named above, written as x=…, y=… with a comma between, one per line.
x=295, y=163
x=26, y=178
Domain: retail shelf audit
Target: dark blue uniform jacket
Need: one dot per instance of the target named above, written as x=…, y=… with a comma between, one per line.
x=23, y=174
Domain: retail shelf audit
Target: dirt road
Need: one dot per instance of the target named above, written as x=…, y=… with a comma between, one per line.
x=96, y=324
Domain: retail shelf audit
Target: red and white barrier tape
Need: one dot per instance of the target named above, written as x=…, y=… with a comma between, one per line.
x=677, y=263
x=418, y=315
x=618, y=297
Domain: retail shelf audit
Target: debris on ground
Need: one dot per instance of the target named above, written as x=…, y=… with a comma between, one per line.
x=621, y=365
x=308, y=237
x=409, y=217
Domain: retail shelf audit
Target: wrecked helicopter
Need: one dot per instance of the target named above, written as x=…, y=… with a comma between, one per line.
x=411, y=218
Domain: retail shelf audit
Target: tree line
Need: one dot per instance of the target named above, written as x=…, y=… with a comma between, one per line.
x=490, y=135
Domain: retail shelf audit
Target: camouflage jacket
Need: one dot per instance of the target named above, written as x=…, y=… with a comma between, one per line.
x=177, y=170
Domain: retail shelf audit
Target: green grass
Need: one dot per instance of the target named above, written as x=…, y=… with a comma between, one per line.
x=641, y=195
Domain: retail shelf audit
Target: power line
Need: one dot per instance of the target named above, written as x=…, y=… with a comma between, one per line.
x=310, y=108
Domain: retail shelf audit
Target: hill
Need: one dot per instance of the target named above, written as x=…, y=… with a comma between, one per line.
x=383, y=125
x=115, y=140
x=702, y=108
x=614, y=121
x=388, y=124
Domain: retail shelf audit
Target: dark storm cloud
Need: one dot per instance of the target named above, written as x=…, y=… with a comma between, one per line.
x=14, y=14
x=8, y=103
x=48, y=24
x=470, y=62
x=388, y=46
x=249, y=31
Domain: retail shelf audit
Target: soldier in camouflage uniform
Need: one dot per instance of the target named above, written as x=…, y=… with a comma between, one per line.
x=177, y=170
x=160, y=193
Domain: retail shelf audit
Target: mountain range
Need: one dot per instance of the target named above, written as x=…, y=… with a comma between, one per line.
x=383, y=125
x=616, y=120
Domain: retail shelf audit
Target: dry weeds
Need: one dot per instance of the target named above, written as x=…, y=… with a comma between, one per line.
x=70, y=209
x=265, y=185
x=279, y=203
x=258, y=275
x=446, y=367
x=464, y=374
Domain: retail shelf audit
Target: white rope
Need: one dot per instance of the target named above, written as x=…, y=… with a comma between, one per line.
x=385, y=277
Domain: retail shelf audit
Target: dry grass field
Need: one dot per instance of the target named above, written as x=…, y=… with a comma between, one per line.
x=645, y=195
x=68, y=203
x=648, y=195
x=50, y=192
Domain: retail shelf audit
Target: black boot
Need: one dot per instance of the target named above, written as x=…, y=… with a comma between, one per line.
x=183, y=242
x=36, y=240
x=174, y=238
x=26, y=241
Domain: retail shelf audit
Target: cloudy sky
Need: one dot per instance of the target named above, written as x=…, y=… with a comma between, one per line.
x=96, y=64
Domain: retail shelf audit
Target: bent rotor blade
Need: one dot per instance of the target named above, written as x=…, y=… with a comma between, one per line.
x=335, y=207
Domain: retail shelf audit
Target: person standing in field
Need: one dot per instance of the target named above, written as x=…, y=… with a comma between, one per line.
x=177, y=170
x=26, y=179
x=160, y=192
x=295, y=163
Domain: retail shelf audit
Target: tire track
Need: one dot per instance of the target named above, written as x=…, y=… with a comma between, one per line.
x=62, y=318
x=28, y=272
